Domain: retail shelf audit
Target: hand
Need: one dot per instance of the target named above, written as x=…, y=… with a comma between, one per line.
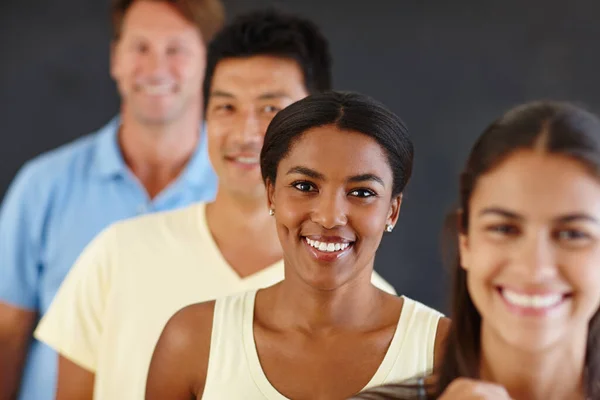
x=471, y=389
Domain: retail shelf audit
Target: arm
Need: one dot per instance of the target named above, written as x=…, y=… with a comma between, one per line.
x=440, y=341
x=74, y=322
x=21, y=222
x=68, y=373
x=180, y=360
x=16, y=326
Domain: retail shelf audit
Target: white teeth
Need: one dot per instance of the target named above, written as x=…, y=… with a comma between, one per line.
x=532, y=301
x=327, y=247
x=247, y=160
x=157, y=89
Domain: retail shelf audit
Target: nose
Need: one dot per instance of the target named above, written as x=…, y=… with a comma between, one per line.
x=249, y=130
x=330, y=210
x=537, y=258
x=156, y=64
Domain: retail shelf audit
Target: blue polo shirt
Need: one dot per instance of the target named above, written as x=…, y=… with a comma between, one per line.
x=56, y=205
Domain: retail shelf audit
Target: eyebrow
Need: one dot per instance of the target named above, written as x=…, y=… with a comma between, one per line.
x=317, y=175
x=263, y=96
x=562, y=219
x=220, y=93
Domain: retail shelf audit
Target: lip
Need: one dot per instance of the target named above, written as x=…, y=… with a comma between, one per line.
x=327, y=257
x=530, y=311
x=165, y=91
x=233, y=159
x=328, y=239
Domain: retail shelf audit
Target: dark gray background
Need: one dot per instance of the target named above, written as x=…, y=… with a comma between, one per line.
x=446, y=67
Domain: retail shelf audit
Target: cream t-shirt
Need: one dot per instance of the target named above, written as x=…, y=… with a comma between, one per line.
x=112, y=307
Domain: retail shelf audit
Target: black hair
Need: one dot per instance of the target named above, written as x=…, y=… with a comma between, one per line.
x=347, y=111
x=273, y=33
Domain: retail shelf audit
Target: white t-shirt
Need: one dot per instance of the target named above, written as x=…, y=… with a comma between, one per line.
x=112, y=307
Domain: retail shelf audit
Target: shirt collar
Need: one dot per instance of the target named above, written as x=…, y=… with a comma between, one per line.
x=109, y=161
x=198, y=170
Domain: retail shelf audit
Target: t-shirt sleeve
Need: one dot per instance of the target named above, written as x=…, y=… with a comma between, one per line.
x=74, y=323
x=21, y=224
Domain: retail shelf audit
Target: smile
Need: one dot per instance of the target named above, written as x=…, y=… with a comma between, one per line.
x=157, y=90
x=327, y=247
x=327, y=250
x=534, y=302
x=245, y=162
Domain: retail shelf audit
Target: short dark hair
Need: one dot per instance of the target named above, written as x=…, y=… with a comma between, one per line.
x=207, y=15
x=272, y=33
x=349, y=112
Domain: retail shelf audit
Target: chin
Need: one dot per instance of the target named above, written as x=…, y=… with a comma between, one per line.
x=531, y=341
x=158, y=118
x=324, y=278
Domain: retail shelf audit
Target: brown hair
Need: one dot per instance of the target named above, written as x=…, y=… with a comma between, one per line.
x=558, y=128
x=207, y=15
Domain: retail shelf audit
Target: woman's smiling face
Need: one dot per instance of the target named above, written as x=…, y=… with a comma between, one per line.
x=332, y=199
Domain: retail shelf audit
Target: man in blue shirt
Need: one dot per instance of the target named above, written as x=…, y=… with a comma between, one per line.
x=152, y=157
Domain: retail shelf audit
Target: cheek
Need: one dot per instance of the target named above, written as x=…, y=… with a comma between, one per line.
x=264, y=124
x=216, y=139
x=485, y=263
x=188, y=68
x=368, y=220
x=582, y=273
x=291, y=210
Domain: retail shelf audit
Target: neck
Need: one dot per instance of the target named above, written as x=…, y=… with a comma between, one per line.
x=241, y=214
x=549, y=374
x=157, y=154
x=244, y=232
x=305, y=308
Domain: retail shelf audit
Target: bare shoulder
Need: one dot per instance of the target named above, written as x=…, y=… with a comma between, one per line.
x=190, y=323
x=180, y=360
x=188, y=332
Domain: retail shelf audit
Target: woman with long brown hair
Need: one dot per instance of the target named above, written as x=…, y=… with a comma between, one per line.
x=526, y=288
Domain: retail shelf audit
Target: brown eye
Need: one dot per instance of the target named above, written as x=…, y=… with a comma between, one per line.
x=224, y=108
x=173, y=51
x=571, y=234
x=271, y=109
x=141, y=48
x=503, y=229
x=304, y=186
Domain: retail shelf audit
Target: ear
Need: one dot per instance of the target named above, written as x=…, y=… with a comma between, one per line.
x=464, y=249
x=270, y=193
x=394, y=211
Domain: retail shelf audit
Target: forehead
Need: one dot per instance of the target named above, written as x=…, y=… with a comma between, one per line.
x=154, y=18
x=253, y=76
x=338, y=154
x=538, y=184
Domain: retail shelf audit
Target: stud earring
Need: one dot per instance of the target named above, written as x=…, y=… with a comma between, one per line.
x=389, y=227
x=271, y=212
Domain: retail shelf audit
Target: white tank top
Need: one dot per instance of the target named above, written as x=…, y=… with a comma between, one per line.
x=234, y=370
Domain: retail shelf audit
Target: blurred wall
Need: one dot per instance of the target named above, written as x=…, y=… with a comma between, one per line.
x=446, y=67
